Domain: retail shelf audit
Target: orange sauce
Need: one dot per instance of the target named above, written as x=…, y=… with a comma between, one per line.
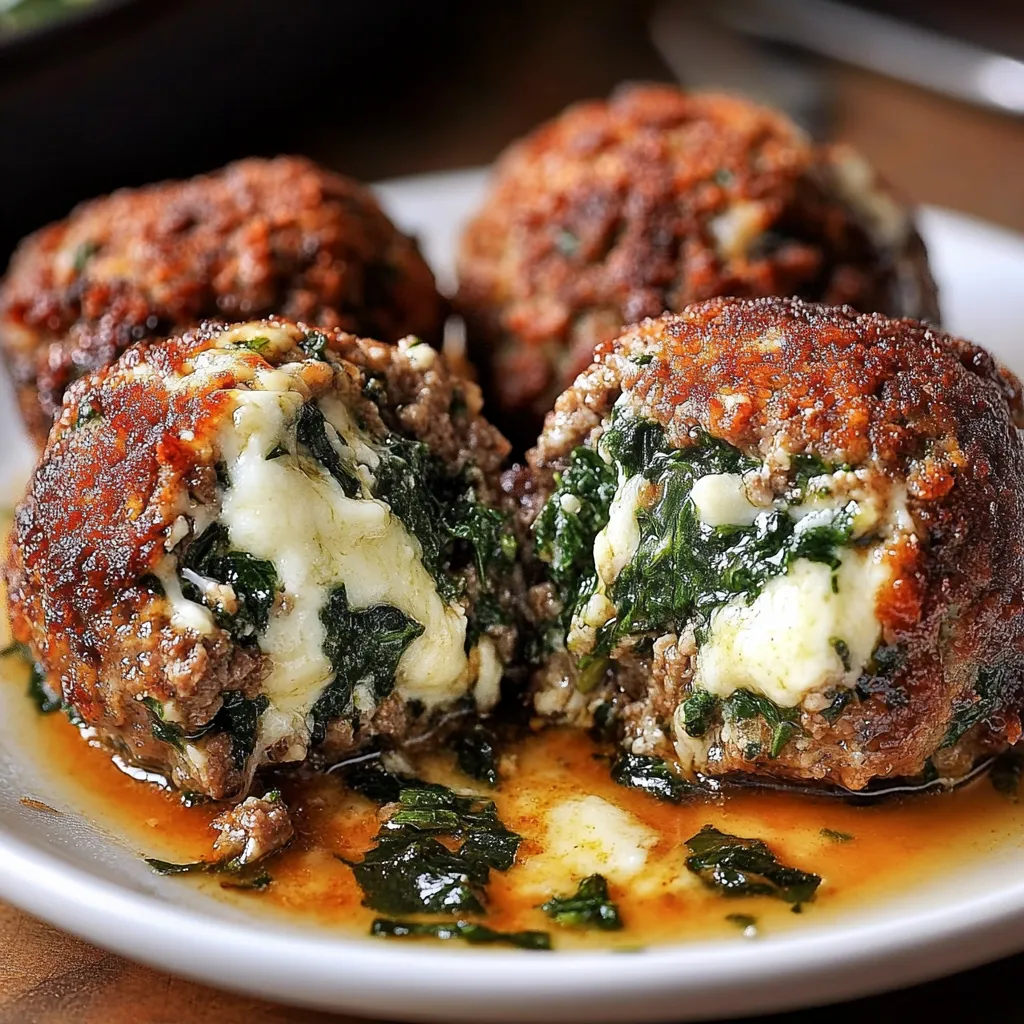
x=896, y=843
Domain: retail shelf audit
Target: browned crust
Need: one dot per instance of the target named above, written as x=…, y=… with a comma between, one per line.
x=895, y=395
x=604, y=216
x=104, y=499
x=278, y=237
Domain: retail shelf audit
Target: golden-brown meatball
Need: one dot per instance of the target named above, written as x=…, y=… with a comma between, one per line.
x=657, y=198
x=259, y=238
x=261, y=543
x=784, y=539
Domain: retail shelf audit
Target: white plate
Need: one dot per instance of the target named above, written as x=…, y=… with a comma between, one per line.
x=66, y=870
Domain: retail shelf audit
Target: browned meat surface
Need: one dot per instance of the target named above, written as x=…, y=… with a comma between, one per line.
x=259, y=238
x=657, y=198
x=253, y=829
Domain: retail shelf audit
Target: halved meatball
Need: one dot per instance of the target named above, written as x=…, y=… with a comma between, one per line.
x=784, y=539
x=266, y=543
x=657, y=198
x=258, y=238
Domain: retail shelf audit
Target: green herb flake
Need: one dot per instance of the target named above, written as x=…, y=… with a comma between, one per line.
x=653, y=775
x=589, y=907
x=83, y=254
x=836, y=836
x=735, y=866
x=314, y=344
x=87, y=413
x=699, y=711
x=258, y=883
x=255, y=344
x=364, y=647
x=468, y=931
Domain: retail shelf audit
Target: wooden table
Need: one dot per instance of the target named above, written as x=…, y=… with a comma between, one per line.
x=935, y=150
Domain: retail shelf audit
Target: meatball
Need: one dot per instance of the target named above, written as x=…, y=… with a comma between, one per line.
x=259, y=238
x=784, y=539
x=263, y=544
x=657, y=198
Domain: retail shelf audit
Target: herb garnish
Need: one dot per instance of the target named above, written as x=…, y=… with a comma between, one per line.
x=735, y=866
x=589, y=907
x=364, y=647
x=836, y=836
x=654, y=775
x=468, y=931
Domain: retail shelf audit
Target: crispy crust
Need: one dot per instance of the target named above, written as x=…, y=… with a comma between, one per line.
x=908, y=402
x=276, y=237
x=104, y=504
x=657, y=198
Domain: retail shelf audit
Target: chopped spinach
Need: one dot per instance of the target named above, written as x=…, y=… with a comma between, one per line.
x=682, y=569
x=654, y=775
x=699, y=711
x=570, y=520
x=745, y=922
x=311, y=432
x=87, y=412
x=239, y=718
x=1006, y=772
x=742, y=705
x=469, y=931
x=314, y=344
x=255, y=884
x=372, y=780
x=363, y=646
x=420, y=876
x=46, y=698
x=476, y=751
x=589, y=907
x=991, y=689
x=83, y=254
x=410, y=871
x=836, y=836
x=838, y=706
x=253, y=581
x=485, y=613
x=842, y=649
x=735, y=866
x=255, y=344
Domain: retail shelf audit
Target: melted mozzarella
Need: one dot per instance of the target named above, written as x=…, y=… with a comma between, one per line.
x=781, y=645
x=721, y=499
x=290, y=511
x=588, y=835
x=616, y=544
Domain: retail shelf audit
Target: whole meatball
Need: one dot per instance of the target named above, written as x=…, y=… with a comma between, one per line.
x=265, y=543
x=784, y=539
x=657, y=198
x=259, y=238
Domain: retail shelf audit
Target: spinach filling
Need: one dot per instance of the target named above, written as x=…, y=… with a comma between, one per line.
x=468, y=931
x=589, y=907
x=364, y=647
x=653, y=775
x=682, y=569
x=253, y=581
x=702, y=709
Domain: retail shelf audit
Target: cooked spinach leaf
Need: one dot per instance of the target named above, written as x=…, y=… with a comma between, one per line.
x=39, y=691
x=239, y=718
x=253, y=581
x=311, y=432
x=699, y=711
x=476, y=751
x=314, y=344
x=588, y=907
x=468, y=931
x=654, y=775
x=746, y=922
x=742, y=705
x=991, y=689
x=364, y=647
x=570, y=521
x=254, y=344
x=372, y=780
x=420, y=876
x=735, y=866
x=255, y=884
x=838, y=706
x=485, y=613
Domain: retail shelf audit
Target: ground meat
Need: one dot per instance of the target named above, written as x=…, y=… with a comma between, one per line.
x=913, y=427
x=253, y=829
x=657, y=198
x=168, y=653
x=261, y=237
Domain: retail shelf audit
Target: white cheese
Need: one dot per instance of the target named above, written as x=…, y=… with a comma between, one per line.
x=720, y=499
x=781, y=646
x=290, y=511
x=616, y=544
x=589, y=835
x=185, y=615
